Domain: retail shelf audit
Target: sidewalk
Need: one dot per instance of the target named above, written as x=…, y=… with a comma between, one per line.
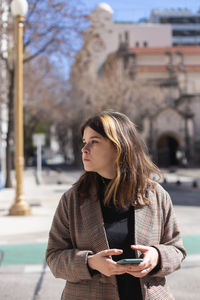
x=23, y=239
x=184, y=176
x=43, y=200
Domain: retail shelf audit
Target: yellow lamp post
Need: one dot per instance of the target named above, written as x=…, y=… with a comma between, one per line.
x=20, y=207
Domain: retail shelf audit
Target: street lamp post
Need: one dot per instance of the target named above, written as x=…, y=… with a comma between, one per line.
x=20, y=207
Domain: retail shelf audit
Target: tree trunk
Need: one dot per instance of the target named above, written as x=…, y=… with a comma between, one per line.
x=9, y=137
x=76, y=144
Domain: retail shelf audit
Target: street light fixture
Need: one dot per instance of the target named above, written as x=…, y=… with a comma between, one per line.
x=20, y=207
x=19, y=8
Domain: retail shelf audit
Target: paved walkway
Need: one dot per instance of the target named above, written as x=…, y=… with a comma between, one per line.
x=23, y=239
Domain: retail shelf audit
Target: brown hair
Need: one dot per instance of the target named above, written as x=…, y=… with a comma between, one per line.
x=133, y=167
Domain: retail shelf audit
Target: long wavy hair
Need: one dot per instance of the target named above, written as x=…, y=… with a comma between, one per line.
x=134, y=168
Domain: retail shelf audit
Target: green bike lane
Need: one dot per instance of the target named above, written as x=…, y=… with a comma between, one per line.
x=34, y=253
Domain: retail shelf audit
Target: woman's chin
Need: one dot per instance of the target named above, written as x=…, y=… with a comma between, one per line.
x=87, y=169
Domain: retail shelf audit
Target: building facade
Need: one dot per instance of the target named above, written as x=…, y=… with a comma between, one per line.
x=185, y=25
x=172, y=129
x=111, y=34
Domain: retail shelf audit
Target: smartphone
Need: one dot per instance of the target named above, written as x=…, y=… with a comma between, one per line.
x=130, y=261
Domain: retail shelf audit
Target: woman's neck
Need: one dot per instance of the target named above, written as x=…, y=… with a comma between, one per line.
x=106, y=175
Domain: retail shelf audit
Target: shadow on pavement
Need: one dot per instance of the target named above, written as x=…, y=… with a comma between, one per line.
x=183, y=194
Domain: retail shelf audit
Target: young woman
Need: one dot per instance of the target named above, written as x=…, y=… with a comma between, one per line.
x=115, y=211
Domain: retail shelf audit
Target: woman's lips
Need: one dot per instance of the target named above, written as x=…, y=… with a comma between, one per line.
x=86, y=159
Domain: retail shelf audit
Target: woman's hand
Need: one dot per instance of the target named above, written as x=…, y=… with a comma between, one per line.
x=102, y=262
x=150, y=261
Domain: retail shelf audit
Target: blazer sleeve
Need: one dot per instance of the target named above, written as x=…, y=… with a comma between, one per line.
x=171, y=249
x=64, y=261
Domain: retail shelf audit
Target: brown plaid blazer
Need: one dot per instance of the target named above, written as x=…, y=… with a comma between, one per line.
x=78, y=230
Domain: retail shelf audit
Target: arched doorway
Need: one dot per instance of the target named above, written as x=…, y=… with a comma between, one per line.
x=167, y=147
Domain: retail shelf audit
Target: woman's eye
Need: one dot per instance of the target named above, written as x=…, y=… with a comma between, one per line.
x=94, y=142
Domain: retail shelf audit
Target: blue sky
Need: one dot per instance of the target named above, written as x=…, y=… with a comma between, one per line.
x=133, y=10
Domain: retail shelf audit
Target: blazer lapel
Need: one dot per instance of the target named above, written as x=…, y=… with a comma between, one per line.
x=93, y=223
x=143, y=225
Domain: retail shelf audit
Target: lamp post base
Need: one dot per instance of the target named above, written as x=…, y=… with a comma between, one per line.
x=20, y=209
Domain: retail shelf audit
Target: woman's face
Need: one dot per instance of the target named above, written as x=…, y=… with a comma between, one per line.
x=98, y=154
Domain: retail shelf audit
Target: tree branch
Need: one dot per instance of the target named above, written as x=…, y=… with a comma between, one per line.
x=41, y=50
x=33, y=9
x=52, y=28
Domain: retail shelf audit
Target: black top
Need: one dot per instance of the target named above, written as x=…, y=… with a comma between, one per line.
x=119, y=226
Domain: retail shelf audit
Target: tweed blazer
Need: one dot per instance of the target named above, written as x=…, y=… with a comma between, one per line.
x=78, y=230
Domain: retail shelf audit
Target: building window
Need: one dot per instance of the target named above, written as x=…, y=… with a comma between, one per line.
x=137, y=44
x=120, y=38
x=126, y=35
x=186, y=33
x=145, y=44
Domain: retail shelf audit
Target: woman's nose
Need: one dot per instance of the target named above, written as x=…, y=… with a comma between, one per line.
x=85, y=148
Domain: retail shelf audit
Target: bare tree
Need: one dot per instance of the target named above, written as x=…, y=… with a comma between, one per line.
x=45, y=102
x=115, y=90
x=51, y=28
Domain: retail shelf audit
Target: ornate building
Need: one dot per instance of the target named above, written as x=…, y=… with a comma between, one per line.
x=173, y=131
x=110, y=34
x=171, y=128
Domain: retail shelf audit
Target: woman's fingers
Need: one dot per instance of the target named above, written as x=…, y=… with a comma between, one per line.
x=103, y=262
x=150, y=259
x=137, y=274
x=140, y=248
x=111, y=252
x=140, y=274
